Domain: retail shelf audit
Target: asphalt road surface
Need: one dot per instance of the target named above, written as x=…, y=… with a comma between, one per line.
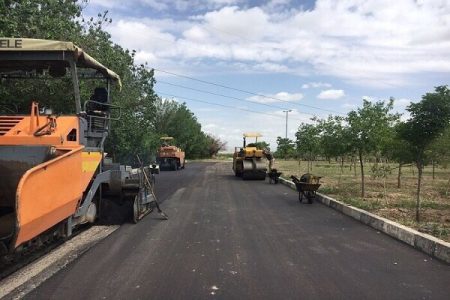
x=232, y=239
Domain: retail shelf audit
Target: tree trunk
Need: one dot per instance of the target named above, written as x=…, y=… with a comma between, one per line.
x=419, y=182
x=448, y=186
x=399, y=180
x=432, y=162
x=354, y=165
x=342, y=171
x=362, y=173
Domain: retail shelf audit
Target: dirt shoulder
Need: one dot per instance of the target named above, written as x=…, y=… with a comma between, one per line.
x=383, y=196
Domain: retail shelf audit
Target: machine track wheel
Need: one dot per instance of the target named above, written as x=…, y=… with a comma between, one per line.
x=136, y=210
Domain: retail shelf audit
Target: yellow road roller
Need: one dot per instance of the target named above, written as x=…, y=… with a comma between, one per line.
x=249, y=162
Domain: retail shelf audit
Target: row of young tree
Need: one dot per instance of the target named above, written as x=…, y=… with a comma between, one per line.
x=374, y=131
x=145, y=116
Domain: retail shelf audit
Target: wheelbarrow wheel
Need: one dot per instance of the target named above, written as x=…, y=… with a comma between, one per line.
x=310, y=196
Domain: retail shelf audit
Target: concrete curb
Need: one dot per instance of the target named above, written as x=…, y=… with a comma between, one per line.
x=421, y=241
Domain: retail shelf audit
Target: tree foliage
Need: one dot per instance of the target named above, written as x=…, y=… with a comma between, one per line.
x=429, y=120
x=308, y=142
x=285, y=148
x=334, y=137
x=370, y=128
x=215, y=145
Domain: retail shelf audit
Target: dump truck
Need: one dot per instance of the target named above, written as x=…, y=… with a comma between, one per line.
x=170, y=157
x=249, y=162
x=54, y=173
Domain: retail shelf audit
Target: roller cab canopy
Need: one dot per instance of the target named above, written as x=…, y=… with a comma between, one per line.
x=252, y=134
x=33, y=50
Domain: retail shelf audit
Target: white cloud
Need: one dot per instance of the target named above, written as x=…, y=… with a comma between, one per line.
x=402, y=102
x=162, y=5
x=271, y=67
x=196, y=33
x=349, y=106
x=236, y=25
x=106, y=3
x=142, y=37
x=278, y=97
x=370, y=98
x=378, y=43
x=209, y=126
x=155, y=4
x=316, y=85
x=331, y=94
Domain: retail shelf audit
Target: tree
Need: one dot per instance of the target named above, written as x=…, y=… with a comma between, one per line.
x=369, y=129
x=285, y=148
x=308, y=137
x=334, y=140
x=429, y=120
x=175, y=119
x=41, y=19
x=400, y=152
x=259, y=145
x=439, y=150
x=215, y=145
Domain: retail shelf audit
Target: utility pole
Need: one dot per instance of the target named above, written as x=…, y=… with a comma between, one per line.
x=287, y=111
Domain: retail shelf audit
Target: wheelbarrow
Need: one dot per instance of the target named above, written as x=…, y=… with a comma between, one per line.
x=307, y=186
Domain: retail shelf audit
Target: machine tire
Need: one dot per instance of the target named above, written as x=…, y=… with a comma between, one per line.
x=174, y=165
x=135, y=210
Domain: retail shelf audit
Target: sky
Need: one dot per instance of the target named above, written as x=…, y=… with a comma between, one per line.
x=240, y=64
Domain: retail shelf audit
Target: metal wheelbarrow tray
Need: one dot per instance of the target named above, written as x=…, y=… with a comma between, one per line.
x=307, y=190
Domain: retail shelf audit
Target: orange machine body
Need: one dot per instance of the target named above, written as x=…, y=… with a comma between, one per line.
x=51, y=190
x=171, y=152
x=171, y=158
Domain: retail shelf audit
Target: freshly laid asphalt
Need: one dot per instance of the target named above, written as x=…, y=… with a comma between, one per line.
x=232, y=239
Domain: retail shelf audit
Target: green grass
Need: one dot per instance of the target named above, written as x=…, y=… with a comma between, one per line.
x=362, y=204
